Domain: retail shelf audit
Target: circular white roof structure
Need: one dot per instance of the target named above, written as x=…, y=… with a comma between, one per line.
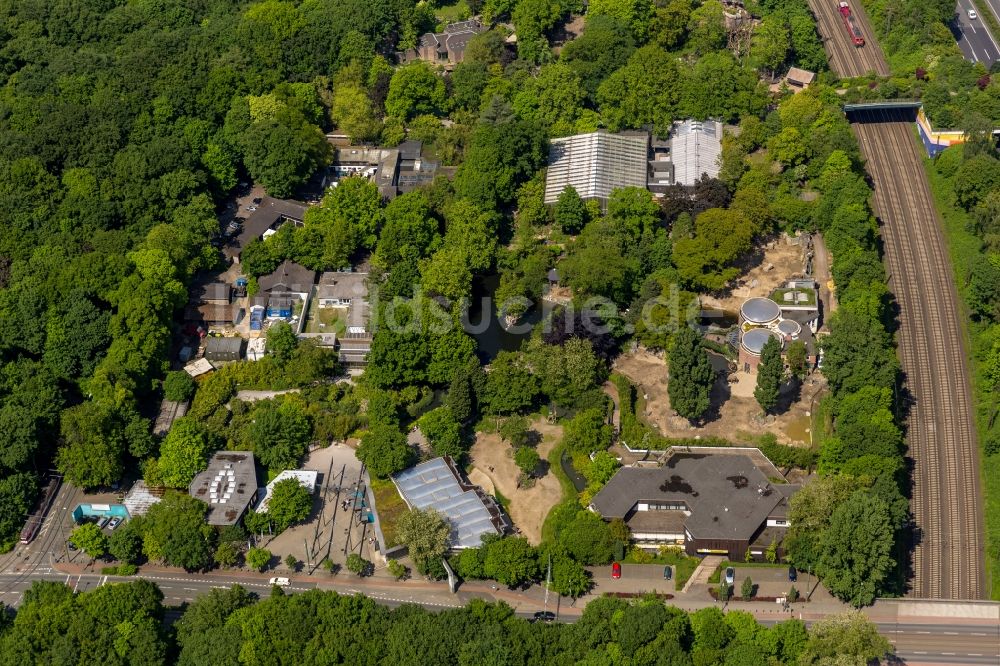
x=754, y=339
x=789, y=327
x=760, y=310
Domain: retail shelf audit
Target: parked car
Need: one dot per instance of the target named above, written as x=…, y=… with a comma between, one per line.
x=792, y=574
x=280, y=581
x=544, y=616
x=730, y=575
x=115, y=522
x=668, y=573
x=103, y=522
x=616, y=571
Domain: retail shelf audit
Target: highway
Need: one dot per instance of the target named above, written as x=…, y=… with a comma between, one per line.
x=925, y=641
x=948, y=547
x=973, y=35
x=846, y=59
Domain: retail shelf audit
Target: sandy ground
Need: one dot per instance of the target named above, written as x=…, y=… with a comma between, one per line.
x=781, y=261
x=733, y=411
x=493, y=459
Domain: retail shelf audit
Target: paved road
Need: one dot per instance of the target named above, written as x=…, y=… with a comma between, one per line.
x=963, y=640
x=973, y=35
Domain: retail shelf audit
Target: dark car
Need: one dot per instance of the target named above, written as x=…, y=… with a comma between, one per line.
x=792, y=574
x=616, y=570
x=544, y=616
x=668, y=573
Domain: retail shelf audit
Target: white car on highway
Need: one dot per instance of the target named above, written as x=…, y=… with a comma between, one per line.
x=973, y=15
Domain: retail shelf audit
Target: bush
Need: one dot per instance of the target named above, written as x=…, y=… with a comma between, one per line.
x=357, y=564
x=258, y=558
x=178, y=386
x=793, y=595
x=397, y=570
x=747, y=589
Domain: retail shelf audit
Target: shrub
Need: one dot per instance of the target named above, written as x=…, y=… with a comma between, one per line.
x=397, y=570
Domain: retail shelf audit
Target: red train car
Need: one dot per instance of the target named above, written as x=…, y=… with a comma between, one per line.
x=852, y=27
x=35, y=520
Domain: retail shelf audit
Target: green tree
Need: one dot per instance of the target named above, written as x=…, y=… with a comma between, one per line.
x=426, y=534
x=290, y=503
x=281, y=340
x=707, y=27
x=174, y=531
x=510, y=386
x=691, y=375
x=279, y=433
x=604, y=46
x=383, y=449
x=587, y=432
x=184, y=452
x=415, y=90
x=91, y=540
x=527, y=459
x=569, y=577
x=588, y=539
x=975, y=179
x=515, y=430
x=511, y=561
x=706, y=259
x=746, y=589
x=856, y=548
x=770, y=373
x=93, y=445
x=636, y=14
x=291, y=562
x=178, y=386
x=570, y=211
x=352, y=112
x=258, y=558
x=443, y=432
x=797, y=357
x=646, y=91
x=282, y=153
x=770, y=42
x=125, y=544
x=225, y=555
x=848, y=635
x=357, y=564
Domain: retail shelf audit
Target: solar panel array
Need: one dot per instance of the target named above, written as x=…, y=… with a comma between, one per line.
x=433, y=485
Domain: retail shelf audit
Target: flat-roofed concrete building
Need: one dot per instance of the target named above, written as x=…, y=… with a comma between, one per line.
x=596, y=164
x=228, y=486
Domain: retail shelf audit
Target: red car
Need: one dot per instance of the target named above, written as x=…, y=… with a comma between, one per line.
x=616, y=571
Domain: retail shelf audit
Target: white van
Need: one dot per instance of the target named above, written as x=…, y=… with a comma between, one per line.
x=280, y=581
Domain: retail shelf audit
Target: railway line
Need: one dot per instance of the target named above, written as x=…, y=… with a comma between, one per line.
x=846, y=59
x=948, y=546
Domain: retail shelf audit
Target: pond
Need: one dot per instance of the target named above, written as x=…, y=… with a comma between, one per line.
x=490, y=335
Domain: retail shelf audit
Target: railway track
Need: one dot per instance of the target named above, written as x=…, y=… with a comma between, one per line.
x=846, y=59
x=948, y=548
x=41, y=548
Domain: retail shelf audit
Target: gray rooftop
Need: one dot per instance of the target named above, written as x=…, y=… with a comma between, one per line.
x=695, y=147
x=727, y=495
x=289, y=276
x=436, y=484
x=268, y=214
x=342, y=285
x=227, y=486
x=760, y=310
x=755, y=339
x=595, y=164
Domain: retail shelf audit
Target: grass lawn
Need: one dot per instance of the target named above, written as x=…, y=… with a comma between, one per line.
x=390, y=506
x=567, y=506
x=457, y=11
x=326, y=320
x=963, y=248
